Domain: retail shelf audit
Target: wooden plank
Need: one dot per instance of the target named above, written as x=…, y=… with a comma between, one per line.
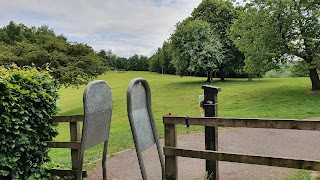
x=171, y=166
x=67, y=172
x=75, y=137
x=70, y=145
x=246, y=122
x=74, y=118
x=244, y=158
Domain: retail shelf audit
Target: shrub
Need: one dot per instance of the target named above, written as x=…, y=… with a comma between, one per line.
x=300, y=69
x=27, y=102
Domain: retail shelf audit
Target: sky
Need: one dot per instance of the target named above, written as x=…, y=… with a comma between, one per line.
x=127, y=27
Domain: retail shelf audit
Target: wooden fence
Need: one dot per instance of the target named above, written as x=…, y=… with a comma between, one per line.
x=74, y=144
x=171, y=151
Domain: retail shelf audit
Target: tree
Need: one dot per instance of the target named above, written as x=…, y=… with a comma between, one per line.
x=220, y=14
x=109, y=58
x=273, y=31
x=11, y=33
x=69, y=63
x=121, y=63
x=196, y=47
x=156, y=60
x=168, y=67
x=161, y=60
x=138, y=63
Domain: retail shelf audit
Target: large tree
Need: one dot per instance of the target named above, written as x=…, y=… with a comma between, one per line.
x=69, y=63
x=271, y=31
x=220, y=14
x=196, y=47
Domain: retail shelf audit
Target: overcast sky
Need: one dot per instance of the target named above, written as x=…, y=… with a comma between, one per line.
x=127, y=27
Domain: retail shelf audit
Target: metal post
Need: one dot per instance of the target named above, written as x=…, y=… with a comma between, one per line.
x=211, y=133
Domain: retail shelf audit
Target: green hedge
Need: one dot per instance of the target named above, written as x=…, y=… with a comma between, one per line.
x=27, y=102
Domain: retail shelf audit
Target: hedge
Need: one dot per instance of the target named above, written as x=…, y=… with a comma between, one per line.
x=27, y=103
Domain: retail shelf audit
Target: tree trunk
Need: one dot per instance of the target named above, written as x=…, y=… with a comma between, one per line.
x=222, y=73
x=209, y=76
x=222, y=77
x=314, y=79
x=249, y=78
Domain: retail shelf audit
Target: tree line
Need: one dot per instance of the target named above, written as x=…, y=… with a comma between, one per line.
x=219, y=39
x=70, y=63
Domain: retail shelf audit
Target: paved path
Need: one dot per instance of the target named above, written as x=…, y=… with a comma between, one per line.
x=268, y=142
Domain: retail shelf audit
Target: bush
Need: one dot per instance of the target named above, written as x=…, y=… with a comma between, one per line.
x=300, y=69
x=27, y=102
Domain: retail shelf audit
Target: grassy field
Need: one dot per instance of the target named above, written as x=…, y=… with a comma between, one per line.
x=269, y=98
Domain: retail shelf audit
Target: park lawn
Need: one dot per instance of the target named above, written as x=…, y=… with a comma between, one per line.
x=270, y=98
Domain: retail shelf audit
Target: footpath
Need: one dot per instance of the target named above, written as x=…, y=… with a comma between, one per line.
x=267, y=142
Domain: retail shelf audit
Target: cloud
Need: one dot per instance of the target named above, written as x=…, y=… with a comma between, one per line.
x=126, y=26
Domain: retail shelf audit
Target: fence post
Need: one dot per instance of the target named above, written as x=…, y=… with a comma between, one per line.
x=74, y=137
x=171, y=170
x=211, y=133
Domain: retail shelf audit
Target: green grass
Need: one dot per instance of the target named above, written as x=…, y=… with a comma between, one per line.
x=298, y=175
x=269, y=98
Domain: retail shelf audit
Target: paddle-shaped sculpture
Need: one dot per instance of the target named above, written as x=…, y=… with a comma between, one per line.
x=141, y=119
x=97, y=103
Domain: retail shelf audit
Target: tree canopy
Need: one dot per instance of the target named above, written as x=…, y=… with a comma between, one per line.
x=273, y=31
x=69, y=63
x=138, y=63
x=161, y=60
x=220, y=14
x=196, y=47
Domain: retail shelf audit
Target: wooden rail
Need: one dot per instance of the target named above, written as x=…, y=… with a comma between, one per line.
x=171, y=152
x=74, y=145
x=246, y=122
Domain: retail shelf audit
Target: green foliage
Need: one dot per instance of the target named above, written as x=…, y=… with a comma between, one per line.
x=113, y=61
x=138, y=63
x=70, y=63
x=300, y=69
x=27, y=102
x=161, y=61
x=283, y=71
x=220, y=14
x=196, y=47
x=289, y=69
x=273, y=31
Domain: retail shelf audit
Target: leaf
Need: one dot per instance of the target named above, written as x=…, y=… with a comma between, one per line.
x=37, y=100
x=4, y=173
x=25, y=92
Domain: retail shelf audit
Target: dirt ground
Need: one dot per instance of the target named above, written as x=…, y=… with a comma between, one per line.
x=267, y=142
